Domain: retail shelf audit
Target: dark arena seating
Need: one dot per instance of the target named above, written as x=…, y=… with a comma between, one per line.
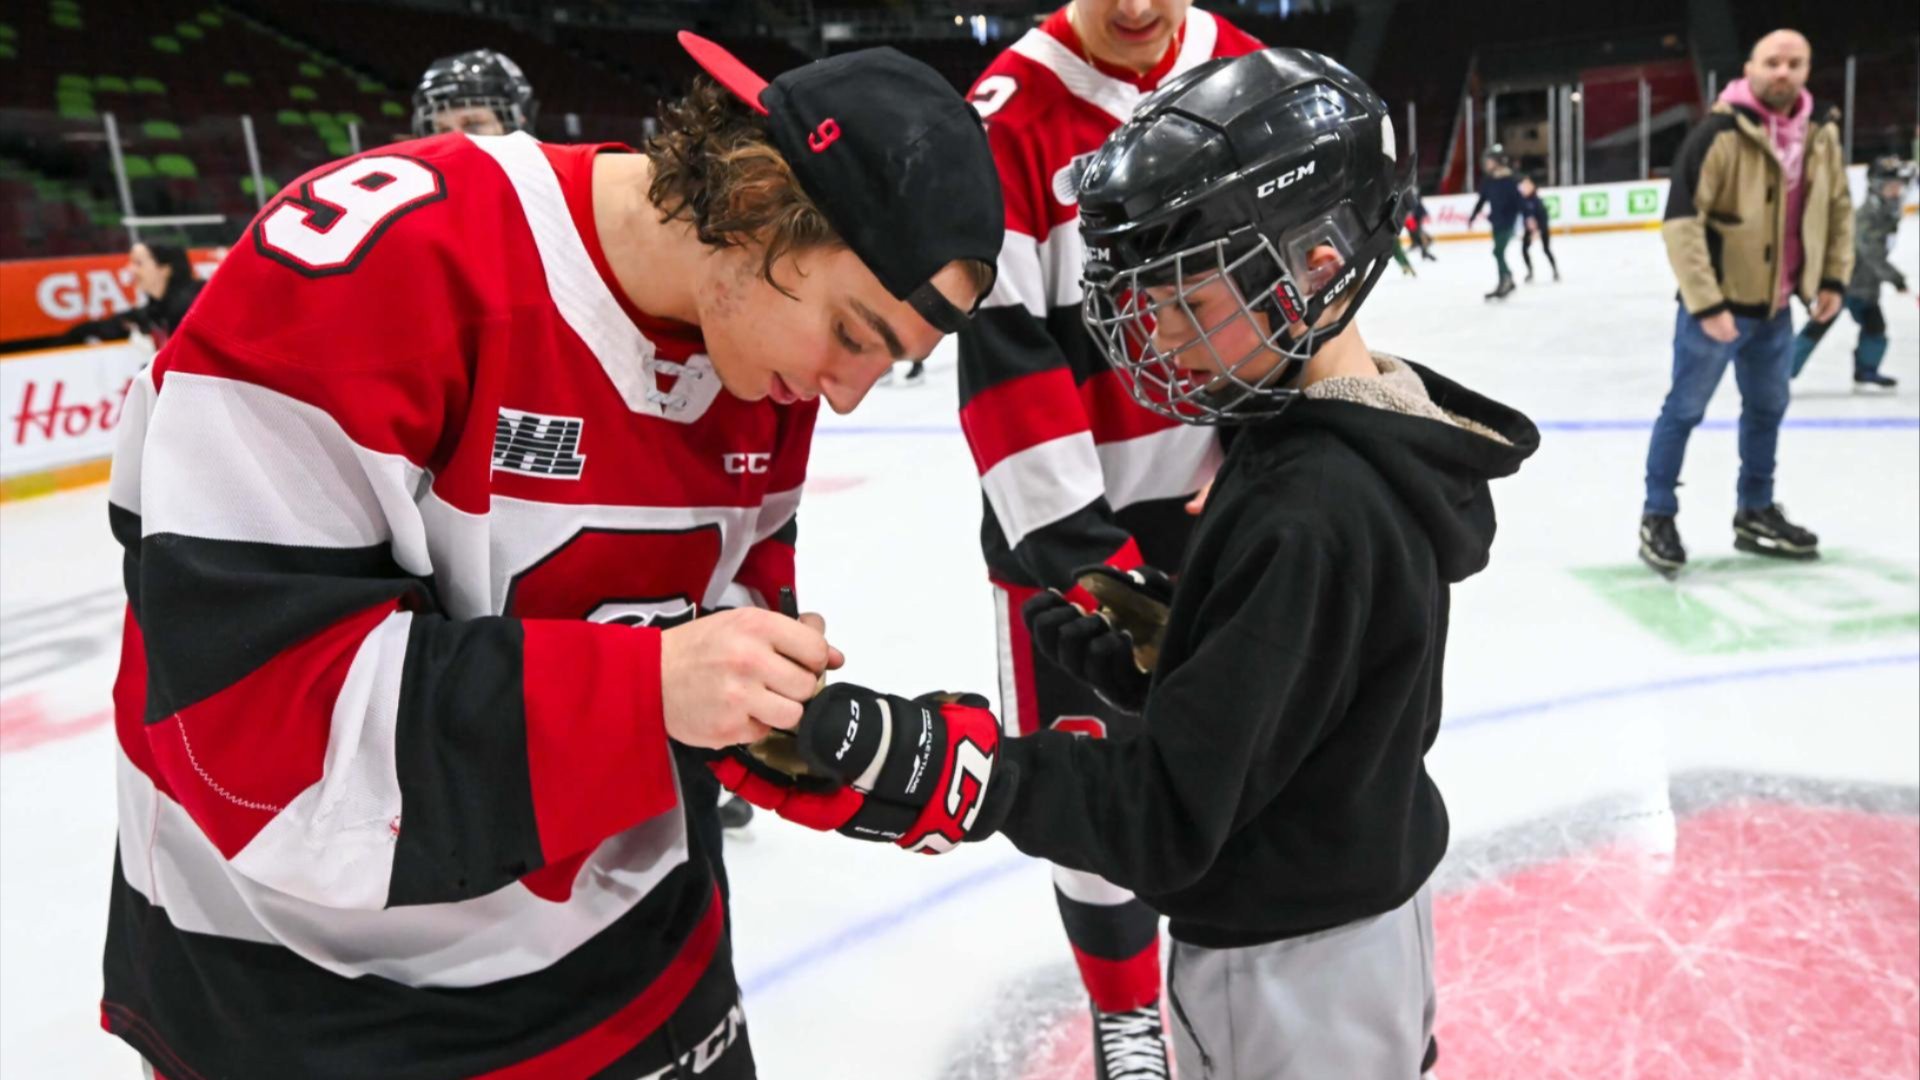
x=320, y=78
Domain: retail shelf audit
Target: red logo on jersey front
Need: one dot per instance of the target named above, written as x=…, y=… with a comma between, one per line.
x=825, y=135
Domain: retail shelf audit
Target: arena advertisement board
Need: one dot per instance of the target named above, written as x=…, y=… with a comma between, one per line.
x=60, y=407
x=42, y=298
x=1595, y=207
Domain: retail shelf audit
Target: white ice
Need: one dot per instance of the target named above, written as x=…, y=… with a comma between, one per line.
x=862, y=961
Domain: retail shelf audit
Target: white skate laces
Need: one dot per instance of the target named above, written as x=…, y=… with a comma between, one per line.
x=1131, y=1045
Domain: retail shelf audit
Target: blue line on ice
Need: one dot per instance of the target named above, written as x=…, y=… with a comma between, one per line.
x=871, y=927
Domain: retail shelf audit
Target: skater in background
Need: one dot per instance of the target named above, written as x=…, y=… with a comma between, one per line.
x=1417, y=227
x=1500, y=198
x=1874, y=226
x=480, y=92
x=1274, y=800
x=1757, y=214
x=1071, y=471
x=1533, y=211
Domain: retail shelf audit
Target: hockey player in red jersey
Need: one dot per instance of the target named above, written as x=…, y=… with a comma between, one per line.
x=1073, y=472
x=418, y=506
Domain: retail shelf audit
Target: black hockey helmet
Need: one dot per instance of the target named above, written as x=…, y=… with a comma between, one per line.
x=1498, y=155
x=1887, y=168
x=1238, y=170
x=478, y=78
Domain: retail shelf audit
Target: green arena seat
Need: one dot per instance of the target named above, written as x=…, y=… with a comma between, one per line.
x=165, y=130
x=71, y=81
x=175, y=167
x=339, y=146
x=348, y=118
x=246, y=185
x=392, y=108
x=147, y=84
x=166, y=44
x=7, y=32
x=111, y=84
x=190, y=31
x=291, y=118
x=236, y=78
x=311, y=70
x=302, y=93
x=66, y=20
x=6, y=50
x=368, y=86
x=76, y=110
x=138, y=167
x=209, y=18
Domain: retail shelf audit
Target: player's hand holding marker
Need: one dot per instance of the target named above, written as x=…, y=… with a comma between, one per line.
x=733, y=676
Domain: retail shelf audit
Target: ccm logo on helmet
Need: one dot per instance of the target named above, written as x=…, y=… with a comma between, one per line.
x=1284, y=180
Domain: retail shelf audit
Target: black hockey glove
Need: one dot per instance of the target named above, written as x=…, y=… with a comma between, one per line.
x=914, y=772
x=1114, y=648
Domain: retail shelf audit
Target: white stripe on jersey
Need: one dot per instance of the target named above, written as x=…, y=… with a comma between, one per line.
x=1040, y=275
x=1112, y=96
x=235, y=461
x=582, y=296
x=129, y=446
x=506, y=933
x=1169, y=463
x=1042, y=484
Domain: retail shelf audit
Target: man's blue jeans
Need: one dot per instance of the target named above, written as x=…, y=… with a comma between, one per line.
x=1762, y=356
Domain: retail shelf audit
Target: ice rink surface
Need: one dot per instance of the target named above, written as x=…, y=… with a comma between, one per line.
x=1686, y=841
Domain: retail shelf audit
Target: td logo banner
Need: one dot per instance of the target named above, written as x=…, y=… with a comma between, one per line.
x=1594, y=204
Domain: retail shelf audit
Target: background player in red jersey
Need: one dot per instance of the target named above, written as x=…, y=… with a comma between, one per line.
x=418, y=506
x=1073, y=472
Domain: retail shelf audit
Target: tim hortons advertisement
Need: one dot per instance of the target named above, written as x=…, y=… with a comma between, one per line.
x=61, y=406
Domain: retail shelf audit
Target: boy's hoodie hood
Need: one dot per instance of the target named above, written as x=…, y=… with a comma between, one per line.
x=1435, y=442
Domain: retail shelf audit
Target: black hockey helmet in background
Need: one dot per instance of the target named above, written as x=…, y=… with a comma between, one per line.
x=1887, y=168
x=1238, y=169
x=1498, y=155
x=479, y=78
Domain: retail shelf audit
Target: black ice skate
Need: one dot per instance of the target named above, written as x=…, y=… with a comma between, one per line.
x=1768, y=532
x=1660, y=545
x=1873, y=381
x=1502, y=290
x=735, y=813
x=1130, y=1045
x=1529, y=275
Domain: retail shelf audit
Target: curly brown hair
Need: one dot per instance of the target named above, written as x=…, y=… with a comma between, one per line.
x=715, y=165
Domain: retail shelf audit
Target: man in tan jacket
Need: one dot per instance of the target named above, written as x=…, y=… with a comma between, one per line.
x=1758, y=213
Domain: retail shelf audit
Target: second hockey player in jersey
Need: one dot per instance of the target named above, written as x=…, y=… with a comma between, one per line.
x=1070, y=470
x=1275, y=804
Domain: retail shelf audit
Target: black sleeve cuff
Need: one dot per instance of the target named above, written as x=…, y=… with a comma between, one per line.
x=1001, y=790
x=1831, y=285
x=1711, y=310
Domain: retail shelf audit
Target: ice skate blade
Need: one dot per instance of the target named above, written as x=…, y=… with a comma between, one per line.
x=1668, y=570
x=1773, y=549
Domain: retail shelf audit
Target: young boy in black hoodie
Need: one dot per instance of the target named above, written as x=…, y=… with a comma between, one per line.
x=1276, y=805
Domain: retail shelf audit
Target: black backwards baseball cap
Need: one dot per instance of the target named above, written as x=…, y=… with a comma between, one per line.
x=895, y=158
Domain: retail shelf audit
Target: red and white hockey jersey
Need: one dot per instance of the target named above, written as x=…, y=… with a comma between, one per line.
x=398, y=501
x=1074, y=472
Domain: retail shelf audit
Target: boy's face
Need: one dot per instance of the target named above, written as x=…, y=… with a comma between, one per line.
x=1238, y=335
x=472, y=119
x=1129, y=33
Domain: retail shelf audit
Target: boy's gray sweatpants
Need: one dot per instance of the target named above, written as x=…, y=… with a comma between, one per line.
x=1354, y=1003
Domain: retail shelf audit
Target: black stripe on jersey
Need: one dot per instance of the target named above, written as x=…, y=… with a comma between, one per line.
x=788, y=534
x=1108, y=931
x=462, y=718
x=126, y=530
x=213, y=1006
x=212, y=611
x=1048, y=556
x=1006, y=343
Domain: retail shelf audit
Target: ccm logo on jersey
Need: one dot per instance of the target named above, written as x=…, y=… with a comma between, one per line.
x=1284, y=180
x=536, y=445
x=744, y=464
